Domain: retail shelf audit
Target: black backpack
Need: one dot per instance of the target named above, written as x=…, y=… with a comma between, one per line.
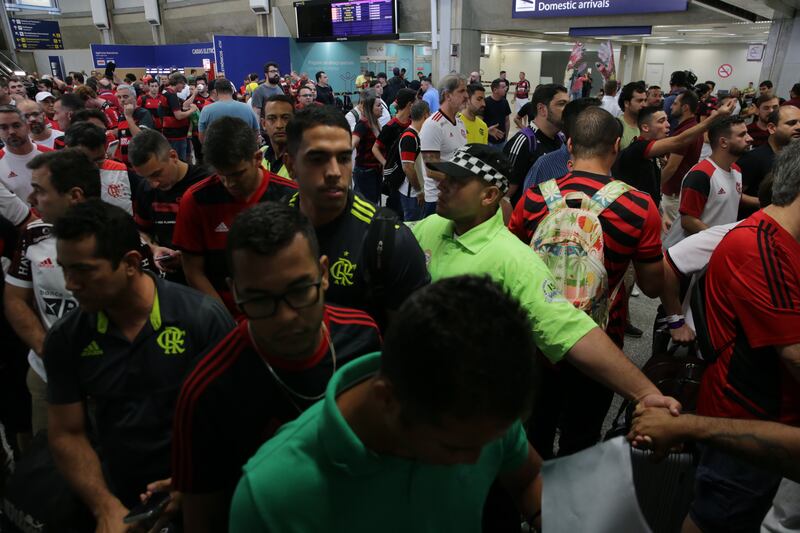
x=393, y=173
x=378, y=246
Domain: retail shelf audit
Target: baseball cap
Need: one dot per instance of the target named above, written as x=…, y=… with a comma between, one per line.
x=477, y=160
x=42, y=95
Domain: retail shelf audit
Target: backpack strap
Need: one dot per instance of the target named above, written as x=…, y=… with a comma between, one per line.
x=607, y=195
x=552, y=195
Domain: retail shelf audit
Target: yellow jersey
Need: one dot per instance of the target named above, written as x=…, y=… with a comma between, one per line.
x=477, y=130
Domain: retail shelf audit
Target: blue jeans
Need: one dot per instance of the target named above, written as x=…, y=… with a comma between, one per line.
x=412, y=211
x=182, y=147
x=368, y=183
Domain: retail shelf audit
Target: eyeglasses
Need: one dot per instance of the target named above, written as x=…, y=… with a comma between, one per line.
x=266, y=306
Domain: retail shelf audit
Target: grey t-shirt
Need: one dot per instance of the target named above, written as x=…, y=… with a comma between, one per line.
x=262, y=94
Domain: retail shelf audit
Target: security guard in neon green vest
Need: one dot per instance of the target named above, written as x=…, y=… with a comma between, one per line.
x=278, y=111
x=127, y=346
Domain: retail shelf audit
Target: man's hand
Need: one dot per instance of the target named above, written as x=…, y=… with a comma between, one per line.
x=724, y=110
x=129, y=111
x=172, y=509
x=665, y=402
x=166, y=259
x=110, y=520
x=421, y=199
x=682, y=335
x=658, y=430
x=496, y=132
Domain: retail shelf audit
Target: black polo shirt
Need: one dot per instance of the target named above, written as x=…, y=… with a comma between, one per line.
x=231, y=404
x=635, y=167
x=133, y=384
x=343, y=242
x=755, y=165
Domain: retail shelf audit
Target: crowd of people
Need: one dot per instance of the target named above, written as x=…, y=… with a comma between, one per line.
x=261, y=309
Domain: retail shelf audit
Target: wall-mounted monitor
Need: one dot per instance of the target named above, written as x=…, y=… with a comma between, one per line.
x=356, y=20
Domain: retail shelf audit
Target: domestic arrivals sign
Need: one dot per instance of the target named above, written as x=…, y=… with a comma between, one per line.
x=592, y=8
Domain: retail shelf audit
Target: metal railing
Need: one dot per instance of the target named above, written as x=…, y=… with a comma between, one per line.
x=8, y=67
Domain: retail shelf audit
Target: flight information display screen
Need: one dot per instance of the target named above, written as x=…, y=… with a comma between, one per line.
x=345, y=21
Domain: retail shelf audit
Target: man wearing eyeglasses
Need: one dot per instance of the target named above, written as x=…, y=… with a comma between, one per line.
x=271, y=368
x=34, y=115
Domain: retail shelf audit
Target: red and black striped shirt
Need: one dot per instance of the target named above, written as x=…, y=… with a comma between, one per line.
x=231, y=404
x=631, y=232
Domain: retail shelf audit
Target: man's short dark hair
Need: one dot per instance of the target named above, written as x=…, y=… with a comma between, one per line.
x=130, y=77
x=69, y=168
x=85, y=134
x=280, y=98
x=722, y=127
x=47, y=83
x=405, y=97
x=12, y=109
x=594, y=132
x=318, y=75
x=114, y=230
x=71, y=102
x=419, y=109
x=381, y=75
x=79, y=77
x=610, y=87
x=175, y=79
x=223, y=86
x=147, y=144
x=646, y=114
x=766, y=83
x=481, y=365
x=573, y=109
x=473, y=88
x=267, y=228
x=711, y=83
x=544, y=94
x=679, y=78
x=795, y=90
x=690, y=99
x=228, y=142
x=764, y=98
x=311, y=117
x=85, y=114
x=627, y=92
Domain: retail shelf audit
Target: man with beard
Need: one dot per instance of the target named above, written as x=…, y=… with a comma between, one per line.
x=18, y=151
x=34, y=115
x=270, y=87
x=539, y=138
x=477, y=130
x=784, y=127
x=764, y=106
x=712, y=190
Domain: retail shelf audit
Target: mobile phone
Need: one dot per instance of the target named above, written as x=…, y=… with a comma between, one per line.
x=153, y=507
x=163, y=257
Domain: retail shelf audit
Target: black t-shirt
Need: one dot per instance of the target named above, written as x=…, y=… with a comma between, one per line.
x=134, y=385
x=756, y=165
x=635, y=167
x=231, y=404
x=325, y=95
x=343, y=242
x=174, y=129
x=390, y=133
x=521, y=158
x=495, y=115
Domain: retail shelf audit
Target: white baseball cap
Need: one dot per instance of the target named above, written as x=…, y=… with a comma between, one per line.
x=42, y=95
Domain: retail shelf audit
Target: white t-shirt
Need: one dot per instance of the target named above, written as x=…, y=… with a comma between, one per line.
x=11, y=207
x=50, y=141
x=441, y=135
x=13, y=172
x=115, y=185
x=35, y=267
x=611, y=104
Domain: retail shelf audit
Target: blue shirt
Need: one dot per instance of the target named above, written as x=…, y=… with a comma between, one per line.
x=547, y=167
x=431, y=96
x=227, y=108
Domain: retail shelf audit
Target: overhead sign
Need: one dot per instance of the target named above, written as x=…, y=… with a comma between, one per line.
x=725, y=70
x=237, y=56
x=152, y=56
x=592, y=8
x=33, y=34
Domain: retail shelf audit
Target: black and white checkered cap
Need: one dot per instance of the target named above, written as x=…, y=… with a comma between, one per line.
x=475, y=160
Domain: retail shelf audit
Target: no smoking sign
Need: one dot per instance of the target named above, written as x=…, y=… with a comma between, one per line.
x=724, y=71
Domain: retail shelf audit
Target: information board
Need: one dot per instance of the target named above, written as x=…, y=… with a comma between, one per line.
x=592, y=8
x=363, y=17
x=34, y=34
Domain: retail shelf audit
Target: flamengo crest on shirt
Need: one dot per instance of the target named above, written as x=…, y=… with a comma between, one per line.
x=222, y=228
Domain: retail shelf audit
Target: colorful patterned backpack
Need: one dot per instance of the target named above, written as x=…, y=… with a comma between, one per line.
x=570, y=242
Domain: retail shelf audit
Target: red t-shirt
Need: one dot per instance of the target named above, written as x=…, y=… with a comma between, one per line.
x=205, y=217
x=523, y=89
x=631, y=232
x=758, y=135
x=752, y=306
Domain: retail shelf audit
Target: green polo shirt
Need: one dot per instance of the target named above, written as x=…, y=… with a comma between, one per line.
x=491, y=249
x=629, y=133
x=316, y=475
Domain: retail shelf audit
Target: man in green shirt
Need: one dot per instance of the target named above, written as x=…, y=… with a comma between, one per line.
x=410, y=439
x=467, y=236
x=631, y=100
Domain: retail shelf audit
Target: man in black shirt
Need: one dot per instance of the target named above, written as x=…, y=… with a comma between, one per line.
x=497, y=113
x=127, y=347
x=541, y=136
x=158, y=196
x=269, y=369
x=784, y=127
x=319, y=158
x=324, y=90
x=636, y=165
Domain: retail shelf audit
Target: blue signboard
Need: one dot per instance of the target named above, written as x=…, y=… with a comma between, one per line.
x=150, y=56
x=34, y=34
x=238, y=56
x=56, y=66
x=592, y=8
